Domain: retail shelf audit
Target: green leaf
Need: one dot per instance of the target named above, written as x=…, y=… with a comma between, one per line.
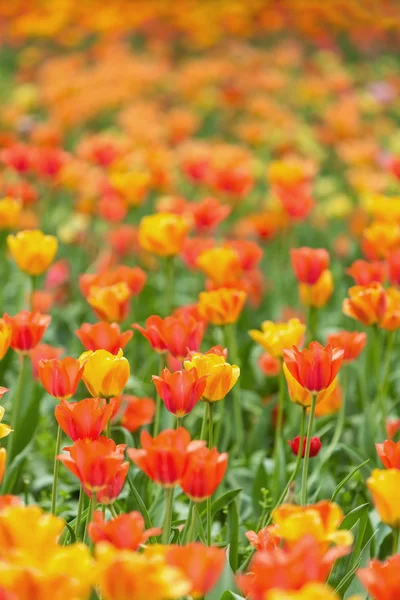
x=233, y=526
x=222, y=502
x=228, y=595
x=140, y=503
x=28, y=422
x=225, y=584
x=346, y=479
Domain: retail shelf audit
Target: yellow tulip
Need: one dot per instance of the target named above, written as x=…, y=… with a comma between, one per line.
x=10, y=210
x=5, y=337
x=314, y=591
x=221, y=376
x=276, y=337
x=5, y=430
x=384, y=486
x=163, y=234
x=32, y=250
x=105, y=375
x=318, y=294
x=221, y=265
x=222, y=306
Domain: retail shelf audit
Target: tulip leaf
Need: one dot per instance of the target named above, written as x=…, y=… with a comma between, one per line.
x=346, y=479
x=222, y=502
x=28, y=422
x=140, y=503
x=228, y=595
x=233, y=526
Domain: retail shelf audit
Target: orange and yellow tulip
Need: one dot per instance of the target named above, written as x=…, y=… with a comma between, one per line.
x=315, y=367
x=60, y=377
x=220, y=375
x=318, y=294
x=32, y=250
x=163, y=234
x=222, y=306
x=103, y=336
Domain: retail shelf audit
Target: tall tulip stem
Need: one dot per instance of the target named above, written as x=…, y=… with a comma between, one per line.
x=210, y=444
x=16, y=407
x=55, y=471
x=230, y=332
x=169, y=503
x=307, y=453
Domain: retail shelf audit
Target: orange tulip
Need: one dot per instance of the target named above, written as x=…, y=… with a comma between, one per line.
x=175, y=334
x=103, y=336
x=110, y=303
x=60, y=377
x=137, y=412
x=180, y=391
x=366, y=304
x=125, y=532
x=27, y=329
x=203, y=472
x=393, y=263
x=208, y=214
x=43, y=352
x=352, y=342
x=221, y=265
x=85, y=419
x=318, y=294
x=134, y=277
x=364, y=272
x=222, y=306
x=288, y=568
x=163, y=234
x=381, y=579
x=202, y=565
x=389, y=453
x=96, y=463
x=315, y=367
x=265, y=539
x=163, y=458
x=309, y=264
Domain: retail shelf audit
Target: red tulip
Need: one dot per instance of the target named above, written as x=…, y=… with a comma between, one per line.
x=315, y=367
x=60, y=377
x=315, y=446
x=125, y=532
x=85, y=419
x=309, y=263
x=180, y=391
x=204, y=471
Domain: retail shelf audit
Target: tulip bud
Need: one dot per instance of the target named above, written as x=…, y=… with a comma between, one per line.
x=315, y=446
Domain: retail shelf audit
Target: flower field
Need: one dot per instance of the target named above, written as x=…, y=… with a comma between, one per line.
x=200, y=265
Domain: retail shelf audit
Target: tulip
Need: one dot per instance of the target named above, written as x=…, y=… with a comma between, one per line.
x=321, y=520
x=27, y=329
x=95, y=464
x=364, y=272
x=249, y=253
x=221, y=265
x=5, y=337
x=222, y=306
x=289, y=568
x=103, y=336
x=309, y=264
x=393, y=263
x=381, y=579
x=352, y=342
x=203, y=472
x=105, y=375
x=137, y=412
x=3, y=460
x=32, y=251
x=315, y=367
x=389, y=453
x=133, y=277
x=392, y=427
x=201, y=565
x=269, y=365
x=180, y=391
x=380, y=239
x=110, y=303
x=220, y=375
x=163, y=234
x=315, y=446
x=85, y=419
x=276, y=337
x=383, y=486
x=125, y=532
x=124, y=574
x=163, y=458
x=265, y=539
x=316, y=591
x=318, y=294
x=366, y=304
x=10, y=210
x=175, y=334
x=60, y=377
x=5, y=430
x=208, y=214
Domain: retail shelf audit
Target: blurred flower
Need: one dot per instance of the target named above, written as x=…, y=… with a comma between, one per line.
x=383, y=486
x=97, y=464
x=221, y=265
x=133, y=277
x=364, y=272
x=315, y=446
x=321, y=520
x=137, y=412
x=352, y=342
x=329, y=401
x=202, y=565
x=315, y=367
x=380, y=239
x=222, y=306
x=392, y=427
x=366, y=304
x=124, y=574
x=163, y=458
x=32, y=250
x=83, y=420
x=389, y=453
x=163, y=234
x=265, y=539
x=316, y=591
x=103, y=336
x=208, y=214
x=125, y=532
x=249, y=253
x=203, y=472
x=275, y=337
x=318, y=294
x=5, y=337
x=27, y=329
x=269, y=365
x=60, y=377
x=110, y=303
x=105, y=374
x=220, y=375
x=393, y=264
x=3, y=460
x=175, y=334
x=309, y=264
x=10, y=210
x=180, y=391
x=43, y=352
x=381, y=579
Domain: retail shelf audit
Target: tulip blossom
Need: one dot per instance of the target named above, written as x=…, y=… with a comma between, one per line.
x=352, y=342
x=202, y=565
x=203, y=472
x=60, y=377
x=315, y=367
x=364, y=272
x=381, y=579
x=32, y=250
x=180, y=391
x=389, y=453
x=125, y=532
x=222, y=306
x=27, y=329
x=317, y=294
x=85, y=419
x=220, y=375
x=163, y=234
x=276, y=337
x=137, y=412
x=105, y=375
x=5, y=337
x=175, y=334
x=103, y=336
x=309, y=264
x=315, y=446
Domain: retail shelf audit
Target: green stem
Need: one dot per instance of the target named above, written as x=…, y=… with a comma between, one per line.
x=156, y=424
x=210, y=445
x=383, y=391
x=16, y=407
x=230, y=332
x=278, y=430
x=341, y=416
x=108, y=429
x=169, y=504
x=33, y=279
x=113, y=511
x=55, y=471
x=312, y=322
x=79, y=513
x=396, y=534
x=192, y=528
x=92, y=504
x=204, y=422
x=170, y=276
x=307, y=453
x=178, y=422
